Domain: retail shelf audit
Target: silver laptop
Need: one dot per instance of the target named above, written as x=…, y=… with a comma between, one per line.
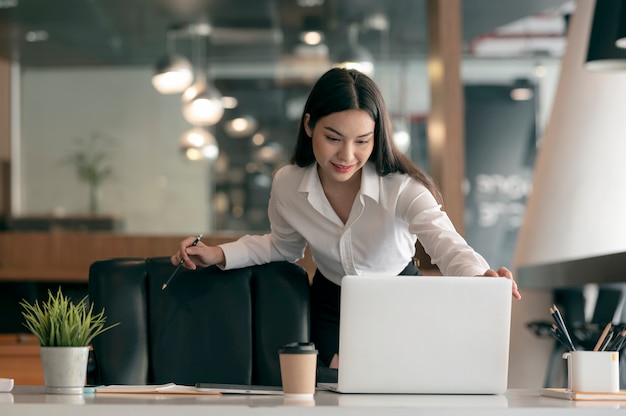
x=423, y=334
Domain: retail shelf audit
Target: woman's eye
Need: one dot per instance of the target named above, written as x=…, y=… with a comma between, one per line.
x=332, y=139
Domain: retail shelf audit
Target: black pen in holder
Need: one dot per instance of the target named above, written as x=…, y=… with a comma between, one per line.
x=180, y=263
x=560, y=331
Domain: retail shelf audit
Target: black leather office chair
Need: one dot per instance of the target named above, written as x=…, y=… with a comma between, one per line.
x=208, y=325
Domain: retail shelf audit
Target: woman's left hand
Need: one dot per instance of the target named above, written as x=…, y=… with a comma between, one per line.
x=504, y=272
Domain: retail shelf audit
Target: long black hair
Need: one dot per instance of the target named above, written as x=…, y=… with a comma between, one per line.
x=347, y=89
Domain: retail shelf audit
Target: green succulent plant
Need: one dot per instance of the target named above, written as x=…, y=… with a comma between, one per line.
x=58, y=322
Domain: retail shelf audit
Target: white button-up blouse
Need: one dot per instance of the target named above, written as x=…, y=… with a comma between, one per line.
x=388, y=215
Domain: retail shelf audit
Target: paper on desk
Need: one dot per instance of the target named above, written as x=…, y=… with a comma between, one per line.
x=168, y=388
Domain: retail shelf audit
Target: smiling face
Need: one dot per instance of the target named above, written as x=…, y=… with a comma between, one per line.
x=342, y=144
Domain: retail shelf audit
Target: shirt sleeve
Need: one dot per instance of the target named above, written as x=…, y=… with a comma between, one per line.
x=433, y=228
x=283, y=243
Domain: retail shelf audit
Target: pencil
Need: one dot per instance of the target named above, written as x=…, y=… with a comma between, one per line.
x=558, y=335
x=180, y=263
x=607, y=328
x=606, y=342
x=558, y=318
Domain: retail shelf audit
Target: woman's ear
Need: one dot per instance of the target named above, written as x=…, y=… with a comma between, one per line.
x=307, y=128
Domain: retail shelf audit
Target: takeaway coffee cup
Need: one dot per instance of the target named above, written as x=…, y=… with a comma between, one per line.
x=592, y=371
x=298, y=362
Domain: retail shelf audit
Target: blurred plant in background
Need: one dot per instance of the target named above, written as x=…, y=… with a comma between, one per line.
x=91, y=159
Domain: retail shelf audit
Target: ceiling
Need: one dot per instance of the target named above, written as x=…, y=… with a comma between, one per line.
x=44, y=33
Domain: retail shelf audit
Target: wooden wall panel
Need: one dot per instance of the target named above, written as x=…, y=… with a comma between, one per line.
x=66, y=256
x=19, y=359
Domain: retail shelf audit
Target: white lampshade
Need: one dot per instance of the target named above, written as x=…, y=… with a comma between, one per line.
x=173, y=74
x=202, y=104
x=198, y=144
x=577, y=208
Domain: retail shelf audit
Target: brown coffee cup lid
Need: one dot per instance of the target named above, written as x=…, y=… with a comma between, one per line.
x=298, y=348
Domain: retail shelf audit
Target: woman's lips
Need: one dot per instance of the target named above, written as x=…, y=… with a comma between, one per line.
x=342, y=168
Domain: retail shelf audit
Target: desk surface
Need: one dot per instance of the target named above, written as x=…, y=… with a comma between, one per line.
x=30, y=400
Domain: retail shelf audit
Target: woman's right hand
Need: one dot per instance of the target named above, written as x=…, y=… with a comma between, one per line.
x=198, y=255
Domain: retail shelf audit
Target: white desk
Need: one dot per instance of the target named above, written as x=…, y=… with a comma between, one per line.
x=30, y=400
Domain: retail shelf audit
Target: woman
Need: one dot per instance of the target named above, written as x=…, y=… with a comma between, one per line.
x=358, y=203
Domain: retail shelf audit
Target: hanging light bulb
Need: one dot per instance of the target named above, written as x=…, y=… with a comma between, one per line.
x=239, y=127
x=198, y=144
x=522, y=90
x=173, y=74
x=202, y=104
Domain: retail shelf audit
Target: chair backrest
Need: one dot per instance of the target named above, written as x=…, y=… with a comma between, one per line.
x=571, y=303
x=609, y=301
x=209, y=325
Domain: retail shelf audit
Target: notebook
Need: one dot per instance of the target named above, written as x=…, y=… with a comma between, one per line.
x=239, y=388
x=423, y=334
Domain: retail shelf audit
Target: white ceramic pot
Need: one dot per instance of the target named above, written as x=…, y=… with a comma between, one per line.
x=64, y=369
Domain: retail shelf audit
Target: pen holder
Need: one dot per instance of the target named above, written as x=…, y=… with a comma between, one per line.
x=592, y=371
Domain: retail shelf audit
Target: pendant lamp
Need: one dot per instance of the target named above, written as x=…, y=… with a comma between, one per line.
x=602, y=52
x=353, y=55
x=198, y=144
x=173, y=74
x=202, y=102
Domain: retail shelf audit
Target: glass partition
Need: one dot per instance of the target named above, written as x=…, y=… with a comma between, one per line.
x=154, y=188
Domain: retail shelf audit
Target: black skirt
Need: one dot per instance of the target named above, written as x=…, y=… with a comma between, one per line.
x=325, y=297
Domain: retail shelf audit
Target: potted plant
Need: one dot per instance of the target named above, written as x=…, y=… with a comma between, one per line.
x=91, y=158
x=64, y=330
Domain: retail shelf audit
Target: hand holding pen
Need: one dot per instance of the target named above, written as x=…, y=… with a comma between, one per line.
x=180, y=263
x=200, y=255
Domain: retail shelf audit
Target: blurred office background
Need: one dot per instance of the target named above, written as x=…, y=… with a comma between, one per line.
x=83, y=69
x=78, y=81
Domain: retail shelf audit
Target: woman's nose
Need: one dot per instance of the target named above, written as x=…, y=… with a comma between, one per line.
x=346, y=152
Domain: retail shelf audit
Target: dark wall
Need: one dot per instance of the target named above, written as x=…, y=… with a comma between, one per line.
x=500, y=136
x=12, y=293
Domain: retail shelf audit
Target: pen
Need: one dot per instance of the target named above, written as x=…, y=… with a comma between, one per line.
x=558, y=318
x=180, y=263
x=619, y=341
x=558, y=335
